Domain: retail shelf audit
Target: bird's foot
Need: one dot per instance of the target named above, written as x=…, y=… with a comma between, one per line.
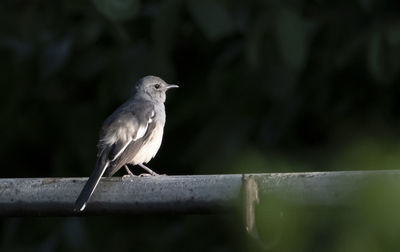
x=146, y=175
x=129, y=177
x=151, y=175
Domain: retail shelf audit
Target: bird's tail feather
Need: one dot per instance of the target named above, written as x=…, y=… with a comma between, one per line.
x=91, y=184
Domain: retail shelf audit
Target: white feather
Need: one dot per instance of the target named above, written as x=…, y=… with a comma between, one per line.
x=122, y=149
x=140, y=132
x=150, y=147
x=97, y=182
x=151, y=116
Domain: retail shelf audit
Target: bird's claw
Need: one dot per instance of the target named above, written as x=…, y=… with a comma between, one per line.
x=145, y=175
x=151, y=175
x=129, y=177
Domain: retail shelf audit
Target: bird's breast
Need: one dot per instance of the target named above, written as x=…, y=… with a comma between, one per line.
x=150, y=146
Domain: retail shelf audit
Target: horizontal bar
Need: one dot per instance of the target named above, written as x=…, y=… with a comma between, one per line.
x=176, y=194
x=139, y=195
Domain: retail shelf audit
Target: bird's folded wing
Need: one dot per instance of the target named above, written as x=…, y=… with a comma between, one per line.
x=125, y=137
x=130, y=152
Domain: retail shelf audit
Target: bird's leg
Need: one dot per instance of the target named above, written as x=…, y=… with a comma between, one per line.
x=130, y=175
x=152, y=173
x=129, y=171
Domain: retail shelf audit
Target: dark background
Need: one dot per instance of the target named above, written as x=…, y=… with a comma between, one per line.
x=266, y=86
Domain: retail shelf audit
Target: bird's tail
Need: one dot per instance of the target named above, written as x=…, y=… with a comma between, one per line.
x=91, y=184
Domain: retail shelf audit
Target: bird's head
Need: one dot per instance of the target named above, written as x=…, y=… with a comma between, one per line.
x=153, y=87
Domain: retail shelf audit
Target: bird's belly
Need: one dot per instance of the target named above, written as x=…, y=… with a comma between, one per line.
x=150, y=147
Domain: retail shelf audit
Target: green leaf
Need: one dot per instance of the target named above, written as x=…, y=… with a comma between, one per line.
x=254, y=40
x=212, y=17
x=291, y=34
x=164, y=30
x=393, y=34
x=383, y=60
x=54, y=56
x=374, y=56
x=117, y=10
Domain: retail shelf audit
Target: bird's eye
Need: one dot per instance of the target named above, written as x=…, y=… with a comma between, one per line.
x=157, y=86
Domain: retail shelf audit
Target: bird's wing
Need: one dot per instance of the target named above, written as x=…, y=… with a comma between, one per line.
x=131, y=150
x=122, y=130
x=145, y=115
x=127, y=124
x=129, y=127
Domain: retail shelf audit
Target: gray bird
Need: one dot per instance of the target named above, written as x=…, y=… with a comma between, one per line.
x=130, y=135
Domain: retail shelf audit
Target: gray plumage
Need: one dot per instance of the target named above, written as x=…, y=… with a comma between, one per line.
x=130, y=135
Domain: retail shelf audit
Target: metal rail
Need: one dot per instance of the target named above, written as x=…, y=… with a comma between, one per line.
x=178, y=194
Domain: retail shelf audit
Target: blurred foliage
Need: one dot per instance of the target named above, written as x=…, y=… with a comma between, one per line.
x=266, y=86
x=368, y=222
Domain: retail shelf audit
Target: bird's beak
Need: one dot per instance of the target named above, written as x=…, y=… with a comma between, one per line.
x=171, y=86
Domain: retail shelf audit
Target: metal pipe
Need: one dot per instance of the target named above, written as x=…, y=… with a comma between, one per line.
x=176, y=194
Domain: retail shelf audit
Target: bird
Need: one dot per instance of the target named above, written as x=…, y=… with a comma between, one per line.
x=132, y=134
